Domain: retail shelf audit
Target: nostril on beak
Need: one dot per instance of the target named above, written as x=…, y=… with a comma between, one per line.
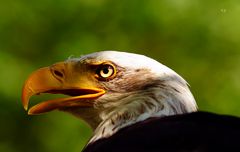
x=58, y=71
x=58, y=74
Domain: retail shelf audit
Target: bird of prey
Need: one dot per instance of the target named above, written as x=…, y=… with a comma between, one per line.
x=132, y=103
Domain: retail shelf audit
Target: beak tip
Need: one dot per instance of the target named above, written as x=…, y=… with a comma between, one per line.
x=25, y=100
x=25, y=107
x=25, y=104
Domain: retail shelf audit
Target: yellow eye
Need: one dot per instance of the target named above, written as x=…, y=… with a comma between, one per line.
x=105, y=71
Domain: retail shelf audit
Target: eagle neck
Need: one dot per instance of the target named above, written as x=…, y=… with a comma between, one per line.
x=138, y=106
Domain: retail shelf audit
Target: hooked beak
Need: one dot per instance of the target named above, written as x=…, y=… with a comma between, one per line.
x=61, y=78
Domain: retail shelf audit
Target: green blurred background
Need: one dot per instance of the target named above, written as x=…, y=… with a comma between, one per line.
x=199, y=39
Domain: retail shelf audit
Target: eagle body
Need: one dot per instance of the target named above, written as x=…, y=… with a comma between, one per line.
x=192, y=132
x=132, y=103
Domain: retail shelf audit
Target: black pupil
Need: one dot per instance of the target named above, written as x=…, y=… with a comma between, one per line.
x=105, y=70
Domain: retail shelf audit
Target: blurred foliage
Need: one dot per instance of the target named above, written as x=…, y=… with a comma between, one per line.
x=200, y=39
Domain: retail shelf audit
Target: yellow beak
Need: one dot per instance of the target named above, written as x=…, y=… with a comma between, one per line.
x=61, y=78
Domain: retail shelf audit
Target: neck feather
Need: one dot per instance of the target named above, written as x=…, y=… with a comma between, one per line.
x=159, y=101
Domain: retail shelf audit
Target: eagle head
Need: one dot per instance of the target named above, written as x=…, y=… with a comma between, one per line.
x=110, y=90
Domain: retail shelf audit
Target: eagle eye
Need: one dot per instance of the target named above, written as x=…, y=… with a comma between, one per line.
x=105, y=71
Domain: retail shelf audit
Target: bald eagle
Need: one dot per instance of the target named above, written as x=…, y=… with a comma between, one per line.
x=132, y=103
